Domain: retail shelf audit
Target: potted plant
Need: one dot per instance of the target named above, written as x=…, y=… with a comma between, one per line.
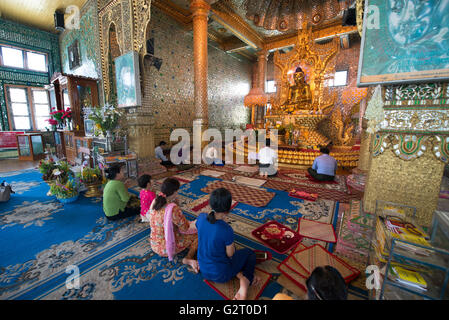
x=46, y=167
x=65, y=192
x=93, y=180
x=62, y=171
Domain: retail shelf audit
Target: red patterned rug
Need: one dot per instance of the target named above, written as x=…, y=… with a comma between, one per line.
x=229, y=289
x=277, y=236
x=318, y=181
x=251, y=196
x=329, y=194
x=202, y=204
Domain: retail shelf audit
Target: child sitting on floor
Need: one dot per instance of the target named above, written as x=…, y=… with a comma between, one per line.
x=218, y=260
x=146, y=195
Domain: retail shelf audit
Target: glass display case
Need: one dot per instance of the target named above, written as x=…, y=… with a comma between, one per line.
x=412, y=265
x=30, y=146
x=439, y=235
x=416, y=272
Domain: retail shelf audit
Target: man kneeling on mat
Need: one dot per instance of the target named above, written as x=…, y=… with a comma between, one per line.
x=217, y=257
x=324, y=166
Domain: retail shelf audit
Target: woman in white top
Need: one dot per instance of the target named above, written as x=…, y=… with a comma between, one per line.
x=267, y=160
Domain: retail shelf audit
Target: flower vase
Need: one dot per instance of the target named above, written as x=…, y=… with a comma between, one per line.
x=109, y=138
x=93, y=190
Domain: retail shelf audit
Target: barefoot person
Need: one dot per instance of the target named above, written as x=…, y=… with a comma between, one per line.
x=267, y=160
x=217, y=257
x=170, y=237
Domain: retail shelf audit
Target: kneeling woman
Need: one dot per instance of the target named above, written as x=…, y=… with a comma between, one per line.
x=171, y=232
x=118, y=203
x=217, y=257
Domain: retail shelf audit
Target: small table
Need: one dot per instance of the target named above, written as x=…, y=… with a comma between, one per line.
x=130, y=159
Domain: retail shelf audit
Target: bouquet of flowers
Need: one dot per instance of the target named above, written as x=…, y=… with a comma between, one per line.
x=46, y=167
x=59, y=117
x=61, y=172
x=106, y=118
x=91, y=176
x=64, y=190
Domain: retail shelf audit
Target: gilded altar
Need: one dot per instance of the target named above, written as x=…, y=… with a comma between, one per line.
x=302, y=100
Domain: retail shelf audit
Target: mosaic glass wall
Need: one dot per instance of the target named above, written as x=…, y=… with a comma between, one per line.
x=87, y=36
x=21, y=36
x=169, y=92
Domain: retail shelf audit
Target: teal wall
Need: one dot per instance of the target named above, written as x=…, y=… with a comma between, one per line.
x=25, y=37
x=88, y=40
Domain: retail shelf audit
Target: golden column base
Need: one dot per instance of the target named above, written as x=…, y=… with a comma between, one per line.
x=414, y=182
x=93, y=190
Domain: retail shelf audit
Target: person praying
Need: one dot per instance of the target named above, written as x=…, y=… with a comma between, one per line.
x=218, y=259
x=159, y=153
x=171, y=232
x=324, y=166
x=267, y=160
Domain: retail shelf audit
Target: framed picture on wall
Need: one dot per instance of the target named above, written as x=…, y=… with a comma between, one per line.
x=73, y=52
x=404, y=41
x=127, y=78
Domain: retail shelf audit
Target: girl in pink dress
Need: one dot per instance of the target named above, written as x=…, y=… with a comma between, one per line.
x=146, y=196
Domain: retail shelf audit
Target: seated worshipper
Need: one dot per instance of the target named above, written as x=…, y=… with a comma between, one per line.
x=146, y=196
x=118, y=203
x=212, y=155
x=324, y=166
x=218, y=259
x=159, y=152
x=267, y=160
x=326, y=283
x=171, y=232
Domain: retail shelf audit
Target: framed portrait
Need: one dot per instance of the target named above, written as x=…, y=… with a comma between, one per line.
x=73, y=52
x=127, y=78
x=404, y=41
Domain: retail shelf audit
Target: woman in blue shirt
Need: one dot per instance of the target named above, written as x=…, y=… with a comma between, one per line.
x=217, y=257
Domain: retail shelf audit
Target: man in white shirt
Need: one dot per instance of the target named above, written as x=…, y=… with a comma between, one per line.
x=159, y=152
x=267, y=160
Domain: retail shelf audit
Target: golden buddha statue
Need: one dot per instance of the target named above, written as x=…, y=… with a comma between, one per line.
x=299, y=94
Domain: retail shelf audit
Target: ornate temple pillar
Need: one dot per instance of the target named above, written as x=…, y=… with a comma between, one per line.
x=200, y=11
x=256, y=97
x=365, y=151
x=262, y=57
x=410, y=149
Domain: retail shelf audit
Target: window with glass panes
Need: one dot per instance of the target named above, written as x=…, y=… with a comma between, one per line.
x=28, y=108
x=24, y=59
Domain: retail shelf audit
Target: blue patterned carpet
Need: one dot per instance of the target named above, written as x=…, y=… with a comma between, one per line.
x=40, y=239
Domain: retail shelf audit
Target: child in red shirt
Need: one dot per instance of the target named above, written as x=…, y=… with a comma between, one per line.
x=146, y=195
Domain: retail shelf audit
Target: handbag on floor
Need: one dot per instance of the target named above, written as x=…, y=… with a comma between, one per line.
x=5, y=192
